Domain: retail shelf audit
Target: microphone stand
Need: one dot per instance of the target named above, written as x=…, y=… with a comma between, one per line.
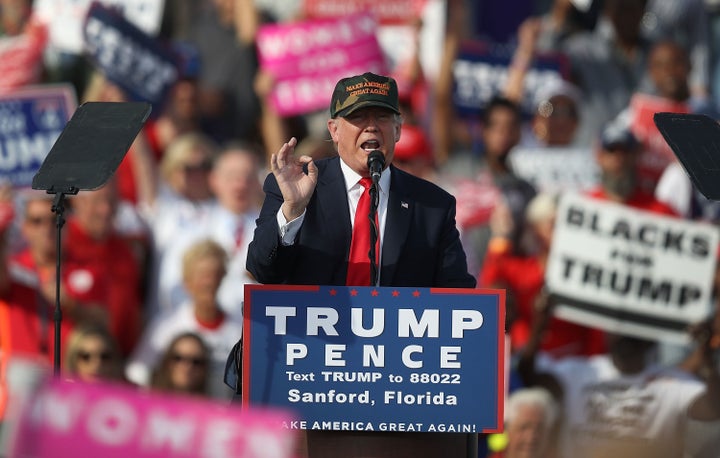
x=376, y=163
x=374, y=230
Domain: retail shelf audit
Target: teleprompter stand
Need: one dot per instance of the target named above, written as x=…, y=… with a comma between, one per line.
x=84, y=157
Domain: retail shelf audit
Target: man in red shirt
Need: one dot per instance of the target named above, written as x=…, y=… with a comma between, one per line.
x=34, y=265
x=101, y=268
x=26, y=326
x=31, y=271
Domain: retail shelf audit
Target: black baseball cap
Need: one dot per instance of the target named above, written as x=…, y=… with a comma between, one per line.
x=366, y=90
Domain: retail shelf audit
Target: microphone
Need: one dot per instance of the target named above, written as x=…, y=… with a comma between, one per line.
x=376, y=164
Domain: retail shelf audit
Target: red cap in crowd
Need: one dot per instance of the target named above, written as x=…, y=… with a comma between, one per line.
x=413, y=144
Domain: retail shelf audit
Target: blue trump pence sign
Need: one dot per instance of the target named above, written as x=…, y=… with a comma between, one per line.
x=31, y=120
x=376, y=359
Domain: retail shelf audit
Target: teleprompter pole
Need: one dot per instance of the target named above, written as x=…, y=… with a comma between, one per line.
x=58, y=208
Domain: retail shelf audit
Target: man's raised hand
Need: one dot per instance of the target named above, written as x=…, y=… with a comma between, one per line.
x=295, y=185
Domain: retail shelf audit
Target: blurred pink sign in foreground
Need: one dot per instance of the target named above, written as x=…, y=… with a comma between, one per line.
x=82, y=420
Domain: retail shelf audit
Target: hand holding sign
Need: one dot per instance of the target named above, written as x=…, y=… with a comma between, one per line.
x=501, y=220
x=702, y=361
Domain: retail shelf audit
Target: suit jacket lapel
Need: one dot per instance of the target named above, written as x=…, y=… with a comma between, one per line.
x=332, y=205
x=399, y=212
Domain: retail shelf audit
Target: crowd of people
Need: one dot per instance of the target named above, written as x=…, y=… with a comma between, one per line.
x=154, y=262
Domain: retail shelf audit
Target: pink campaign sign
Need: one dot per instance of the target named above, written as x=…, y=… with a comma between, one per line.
x=307, y=58
x=93, y=420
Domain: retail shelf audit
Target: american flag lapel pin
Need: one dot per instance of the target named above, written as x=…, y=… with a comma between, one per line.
x=404, y=205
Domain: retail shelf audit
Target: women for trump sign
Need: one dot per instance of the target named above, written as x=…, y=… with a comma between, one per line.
x=307, y=58
x=77, y=419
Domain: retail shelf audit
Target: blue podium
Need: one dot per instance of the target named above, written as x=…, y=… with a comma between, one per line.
x=378, y=371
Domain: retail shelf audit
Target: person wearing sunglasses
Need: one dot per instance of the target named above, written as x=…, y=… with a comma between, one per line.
x=92, y=354
x=183, y=368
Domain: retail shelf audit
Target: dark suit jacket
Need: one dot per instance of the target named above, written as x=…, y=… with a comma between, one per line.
x=421, y=244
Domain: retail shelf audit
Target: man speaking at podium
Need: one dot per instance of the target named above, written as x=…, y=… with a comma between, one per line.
x=308, y=233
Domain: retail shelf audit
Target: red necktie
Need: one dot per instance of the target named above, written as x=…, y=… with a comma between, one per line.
x=359, y=261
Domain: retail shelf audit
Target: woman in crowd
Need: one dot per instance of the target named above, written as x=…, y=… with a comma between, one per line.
x=92, y=354
x=183, y=367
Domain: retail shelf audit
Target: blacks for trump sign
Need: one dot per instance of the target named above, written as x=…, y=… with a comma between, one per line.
x=376, y=359
x=628, y=271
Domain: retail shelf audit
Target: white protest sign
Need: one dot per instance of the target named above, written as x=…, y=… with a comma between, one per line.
x=556, y=169
x=628, y=271
x=65, y=18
